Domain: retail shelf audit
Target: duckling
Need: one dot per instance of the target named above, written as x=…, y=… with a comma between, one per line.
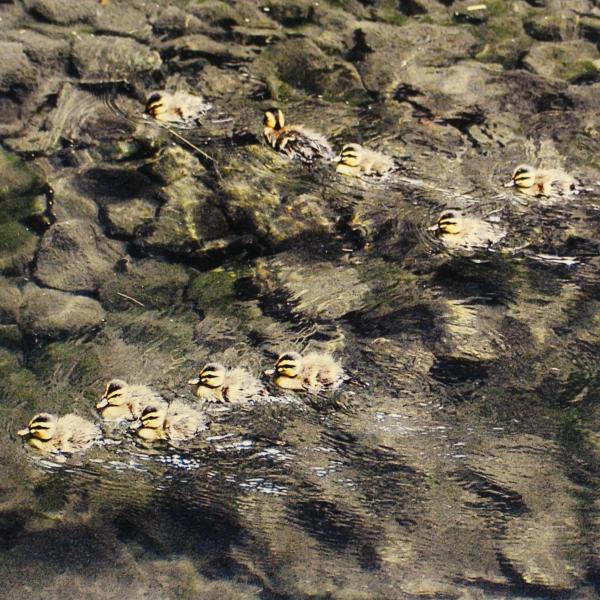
x=178, y=108
x=66, y=434
x=217, y=384
x=458, y=230
x=542, y=182
x=314, y=372
x=357, y=160
x=295, y=141
x=123, y=401
x=176, y=422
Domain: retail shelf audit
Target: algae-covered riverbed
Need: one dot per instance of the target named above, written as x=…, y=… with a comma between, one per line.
x=461, y=456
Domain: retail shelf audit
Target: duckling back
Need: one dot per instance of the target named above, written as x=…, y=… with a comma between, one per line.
x=74, y=433
x=554, y=182
x=321, y=370
x=240, y=386
x=183, y=422
x=304, y=144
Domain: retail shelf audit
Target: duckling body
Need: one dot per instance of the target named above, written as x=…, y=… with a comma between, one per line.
x=314, y=372
x=542, y=182
x=215, y=383
x=295, y=141
x=122, y=401
x=357, y=161
x=67, y=434
x=179, y=109
x=458, y=230
x=176, y=422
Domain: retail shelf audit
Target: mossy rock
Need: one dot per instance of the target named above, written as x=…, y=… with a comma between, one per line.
x=503, y=41
x=143, y=328
x=19, y=385
x=574, y=61
x=152, y=283
x=299, y=64
x=67, y=364
x=17, y=247
x=16, y=179
x=215, y=290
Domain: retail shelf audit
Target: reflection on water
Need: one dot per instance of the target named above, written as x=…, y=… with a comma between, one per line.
x=459, y=461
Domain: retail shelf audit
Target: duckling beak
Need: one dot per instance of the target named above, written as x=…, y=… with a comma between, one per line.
x=433, y=227
x=269, y=372
x=102, y=404
x=23, y=432
x=511, y=183
x=194, y=381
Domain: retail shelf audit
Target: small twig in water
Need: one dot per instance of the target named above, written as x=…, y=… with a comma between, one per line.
x=130, y=298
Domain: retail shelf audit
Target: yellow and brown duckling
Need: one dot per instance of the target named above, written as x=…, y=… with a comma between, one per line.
x=295, y=141
x=122, y=401
x=215, y=383
x=542, y=182
x=67, y=434
x=315, y=372
x=458, y=230
x=178, y=109
x=175, y=422
x=357, y=160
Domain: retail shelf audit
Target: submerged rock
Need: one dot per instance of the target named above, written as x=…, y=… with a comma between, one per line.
x=63, y=12
x=16, y=70
x=573, y=61
x=19, y=206
x=386, y=55
x=187, y=221
x=150, y=283
x=54, y=314
x=76, y=256
x=109, y=58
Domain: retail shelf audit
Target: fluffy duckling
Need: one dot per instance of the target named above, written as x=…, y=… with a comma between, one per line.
x=357, y=160
x=124, y=401
x=67, y=434
x=176, y=422
x=542, y=182
x=295, y=141
x=458, y=230
x=177, y=108
x=314, y=372
x=217, y=384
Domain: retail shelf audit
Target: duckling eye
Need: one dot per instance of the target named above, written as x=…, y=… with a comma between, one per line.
x=350, y=150
x=37, y=427
x=282, y=365
x=111, y=388
x=150, y=413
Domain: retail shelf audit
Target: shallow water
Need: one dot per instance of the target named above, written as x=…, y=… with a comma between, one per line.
x=461, y=458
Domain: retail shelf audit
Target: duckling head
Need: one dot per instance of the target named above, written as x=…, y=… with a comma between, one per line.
x=523, y=177
x=152, y=419
x=350, y=155
x=449, y=223
x=40, y=429
x=154, y=104
x=113, y=395
x=274, y=119
x=289, y=364
x=211, y=376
